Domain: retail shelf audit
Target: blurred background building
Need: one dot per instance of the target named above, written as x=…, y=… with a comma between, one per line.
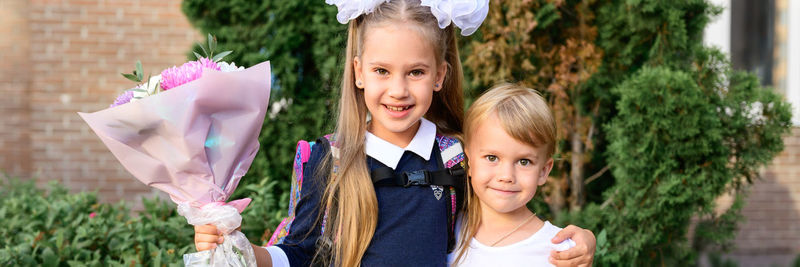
x=62, y=57
x=58, y=58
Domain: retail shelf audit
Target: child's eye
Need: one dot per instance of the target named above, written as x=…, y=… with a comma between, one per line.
x=491, y=158
x=524, y=162
x=381, y=71
x=416, y=73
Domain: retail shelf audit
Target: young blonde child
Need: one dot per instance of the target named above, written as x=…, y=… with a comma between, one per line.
x=510, y=137
x=403, y=70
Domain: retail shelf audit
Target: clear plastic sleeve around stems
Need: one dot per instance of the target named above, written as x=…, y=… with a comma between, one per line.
x=235, y=250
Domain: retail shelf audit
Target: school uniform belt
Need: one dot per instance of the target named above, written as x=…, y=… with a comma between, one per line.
x=385, y=176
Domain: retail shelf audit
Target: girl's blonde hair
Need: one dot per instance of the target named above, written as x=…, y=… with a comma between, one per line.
x=349, y=198
x=524, y=115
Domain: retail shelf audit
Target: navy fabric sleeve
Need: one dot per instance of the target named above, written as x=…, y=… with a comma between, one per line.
x=300, y=244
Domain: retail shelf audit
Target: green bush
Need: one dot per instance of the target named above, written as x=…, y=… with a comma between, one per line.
x=55, y=228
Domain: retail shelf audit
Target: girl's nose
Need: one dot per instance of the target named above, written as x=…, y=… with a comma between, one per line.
x=398, y=88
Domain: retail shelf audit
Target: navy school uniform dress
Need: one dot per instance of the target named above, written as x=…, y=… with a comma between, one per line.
x=412, y=221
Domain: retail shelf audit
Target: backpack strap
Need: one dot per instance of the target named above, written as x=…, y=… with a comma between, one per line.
x=334, y=173
x=302, y=154
x=452, y=156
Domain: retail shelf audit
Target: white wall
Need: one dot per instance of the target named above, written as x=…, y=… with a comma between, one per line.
x=718, y=32
x=793, y=60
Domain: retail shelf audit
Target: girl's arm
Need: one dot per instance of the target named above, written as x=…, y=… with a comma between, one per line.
x=581, y=254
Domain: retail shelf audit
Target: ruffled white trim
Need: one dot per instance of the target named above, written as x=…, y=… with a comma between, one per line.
x=351, y=9
x=465, y=14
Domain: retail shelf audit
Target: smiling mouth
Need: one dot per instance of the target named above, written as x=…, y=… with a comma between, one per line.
x=504, y=191
x=398, y=108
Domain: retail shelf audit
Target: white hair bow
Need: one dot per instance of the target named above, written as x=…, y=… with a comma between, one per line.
x=465, y=14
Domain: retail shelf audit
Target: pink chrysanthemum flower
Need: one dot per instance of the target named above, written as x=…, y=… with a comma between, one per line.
x=123, y=98
x=189, y=71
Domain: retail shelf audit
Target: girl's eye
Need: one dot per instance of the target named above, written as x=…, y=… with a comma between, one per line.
x=381, y=71
x=416, y=73
x=491, y=158
x=524, y=162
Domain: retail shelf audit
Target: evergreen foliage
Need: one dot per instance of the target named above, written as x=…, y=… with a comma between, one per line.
x=55, y=228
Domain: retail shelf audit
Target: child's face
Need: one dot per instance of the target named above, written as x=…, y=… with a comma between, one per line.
x=504, y=172
x=398, y=73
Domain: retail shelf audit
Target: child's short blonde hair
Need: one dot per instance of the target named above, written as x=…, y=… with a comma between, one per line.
x=523, y=113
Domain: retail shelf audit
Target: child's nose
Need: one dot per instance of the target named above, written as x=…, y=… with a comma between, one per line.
x=506, y=174
x=398, y=88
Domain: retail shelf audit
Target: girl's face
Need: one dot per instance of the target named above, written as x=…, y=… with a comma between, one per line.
x=504, y=172
x=398, y=72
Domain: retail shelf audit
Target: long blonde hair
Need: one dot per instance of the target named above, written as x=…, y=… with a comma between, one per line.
x=525, y=116
x=349, y=199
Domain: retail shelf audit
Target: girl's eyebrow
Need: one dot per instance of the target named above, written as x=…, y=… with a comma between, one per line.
x=414, y=65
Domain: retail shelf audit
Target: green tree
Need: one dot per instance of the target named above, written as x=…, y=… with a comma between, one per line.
x=303, y=42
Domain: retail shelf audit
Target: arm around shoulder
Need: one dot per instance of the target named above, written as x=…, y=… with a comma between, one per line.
x=582, y=254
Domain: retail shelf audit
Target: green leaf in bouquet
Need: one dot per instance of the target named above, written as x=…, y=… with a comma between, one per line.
x=139, y=71
x=219, y=56
x=131, y=77
x=202, y=47
x=212, y=43
x=198, y=56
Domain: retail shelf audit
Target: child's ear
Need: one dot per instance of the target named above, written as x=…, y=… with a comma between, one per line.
x=466, y=157
x=441, y=71
x=545, y=172
x=358, y=73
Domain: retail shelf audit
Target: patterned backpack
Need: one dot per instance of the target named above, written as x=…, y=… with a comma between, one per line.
x=452, y=156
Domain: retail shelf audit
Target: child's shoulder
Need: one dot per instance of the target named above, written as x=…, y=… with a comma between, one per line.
x=547, y=233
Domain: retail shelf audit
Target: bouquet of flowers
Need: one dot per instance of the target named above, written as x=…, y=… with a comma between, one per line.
x=192, y=132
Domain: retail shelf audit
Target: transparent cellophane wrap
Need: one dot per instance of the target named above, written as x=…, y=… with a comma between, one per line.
x=235, y=250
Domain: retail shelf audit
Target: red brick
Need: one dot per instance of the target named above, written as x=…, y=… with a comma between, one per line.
x=66, y=58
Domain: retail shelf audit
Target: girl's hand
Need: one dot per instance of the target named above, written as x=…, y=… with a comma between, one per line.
x=581, y=254
x=206, y=237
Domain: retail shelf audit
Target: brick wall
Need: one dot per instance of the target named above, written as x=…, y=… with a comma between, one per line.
x=770, y=234
x=64, y=57
x=14, y=81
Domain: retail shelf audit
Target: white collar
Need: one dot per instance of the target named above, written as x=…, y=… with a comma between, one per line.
x=390, y=154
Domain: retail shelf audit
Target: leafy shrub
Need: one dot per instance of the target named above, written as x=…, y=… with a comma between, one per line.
x=55, y=228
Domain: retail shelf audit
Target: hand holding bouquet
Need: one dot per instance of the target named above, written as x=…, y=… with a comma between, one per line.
x=192, y=132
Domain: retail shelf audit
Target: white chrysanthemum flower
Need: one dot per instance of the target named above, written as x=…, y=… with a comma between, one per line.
x=151, y=88
x=228, y=67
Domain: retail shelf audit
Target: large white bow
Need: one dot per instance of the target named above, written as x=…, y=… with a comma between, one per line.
x=466, y=14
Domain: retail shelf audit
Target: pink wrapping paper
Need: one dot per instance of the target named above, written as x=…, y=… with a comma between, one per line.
x=195, y=141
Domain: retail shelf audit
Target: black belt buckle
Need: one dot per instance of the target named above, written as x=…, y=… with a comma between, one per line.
x=419, y=177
